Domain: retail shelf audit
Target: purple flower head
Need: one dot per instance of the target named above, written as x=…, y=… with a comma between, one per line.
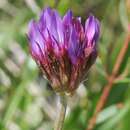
x=63, y=48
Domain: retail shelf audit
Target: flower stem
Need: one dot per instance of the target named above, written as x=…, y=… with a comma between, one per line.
x=60, y=120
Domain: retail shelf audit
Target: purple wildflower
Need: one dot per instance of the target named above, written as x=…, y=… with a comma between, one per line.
x=62, y=48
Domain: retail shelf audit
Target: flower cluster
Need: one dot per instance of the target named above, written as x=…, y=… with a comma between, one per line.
x=62, y=48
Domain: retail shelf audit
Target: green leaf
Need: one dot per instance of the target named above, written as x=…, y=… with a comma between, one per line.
x=107, y=114
x=123, y=15
x=112, y=122
x=16, y=98
x=124, y=80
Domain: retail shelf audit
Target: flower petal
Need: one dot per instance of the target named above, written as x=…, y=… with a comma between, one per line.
x=91, y=30
x=67, y=19
x=67, y=23
x=79, y=28
x=45, y=22
x=74, y=47
x=35, y=39
x=59, y=27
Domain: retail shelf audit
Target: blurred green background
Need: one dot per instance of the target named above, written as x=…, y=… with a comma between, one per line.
x=27, y=101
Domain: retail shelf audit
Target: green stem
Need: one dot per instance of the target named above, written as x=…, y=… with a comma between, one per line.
x=60, y=120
